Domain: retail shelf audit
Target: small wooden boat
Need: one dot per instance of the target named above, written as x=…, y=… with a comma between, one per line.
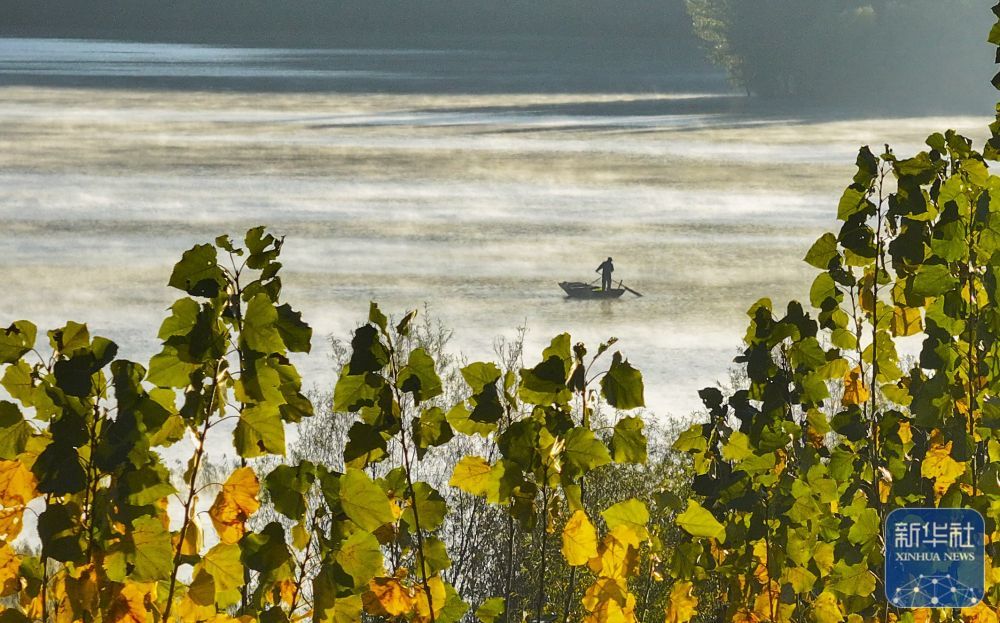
x=580, y=290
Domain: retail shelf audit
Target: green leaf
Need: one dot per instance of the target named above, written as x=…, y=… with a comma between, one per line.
x=622, y=386
x=430, y=506
x=853, y=200
x=933, y=280
x=583, y=452
x=866, y=528
x=296, y=334
x=166, y=369
x=198, y=272
x=698, y=521
x=435, y=555
x=472, y=475
x=454, y=607
x=288, y=485
x=487, y=407
x=478, y=375
x=822, y=251
x=260, y=326
x=14, y=431
x=631, y=513
x=223, y=563
x=368, y=354
x=58, y=470
x=265, y=551
x=545, y=383
x=365, y=445
x=852, y=579
x=364, y=501
x=460, y=419
x=823, y=288
x=431, y=429
x=361, y=557
x=60, y=532
x=419, y=377
x=353, y=392
x=152, y=552
x=16, y=340
x=491, y=609
x=259, y=431
x=148, y=484
x=628, y=443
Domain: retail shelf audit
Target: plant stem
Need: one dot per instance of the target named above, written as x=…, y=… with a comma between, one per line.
x=192, y=489
x=541, y=573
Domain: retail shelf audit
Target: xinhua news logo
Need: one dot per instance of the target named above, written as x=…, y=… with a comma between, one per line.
x=935, y=557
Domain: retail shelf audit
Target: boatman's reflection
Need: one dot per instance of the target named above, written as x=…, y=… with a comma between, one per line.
x=606, y=268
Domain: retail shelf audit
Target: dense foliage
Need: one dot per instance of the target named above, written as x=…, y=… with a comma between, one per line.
x=432, y=490
x=837, y=425
x=119, y=538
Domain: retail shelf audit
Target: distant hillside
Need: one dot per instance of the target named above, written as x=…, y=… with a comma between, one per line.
x=319, y=22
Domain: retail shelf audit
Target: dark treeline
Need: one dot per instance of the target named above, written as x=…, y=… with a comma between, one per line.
x=851, y=50
x=926, y=54
x=329, y=22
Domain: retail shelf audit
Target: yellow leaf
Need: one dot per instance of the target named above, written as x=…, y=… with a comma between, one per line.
x=387, y=597
x=683, y=605
x=235, y=504
x=823, y=555
x=905, y=321
x=981, y=613
x=745, y=616
x=617, y=555
x=133, y=603
x=826, y=609
x=10, y=582
x=579, y=539
x=17, y=488
x=939, y=466
x=604, y=590
x=855, y=391
x=905, y=432
x=187, y=609
x=287, y=590
x=472, y=475
x=192, y=543
x=760, y=553
x=438, y=597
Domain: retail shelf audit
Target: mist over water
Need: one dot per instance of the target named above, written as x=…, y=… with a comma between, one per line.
x=469, y=180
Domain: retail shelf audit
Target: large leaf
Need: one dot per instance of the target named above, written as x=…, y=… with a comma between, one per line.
x=234, y=504
x=361, y=557
x=260, y=326
x=583, y=452
x=198, y=272
x=419, y=377
x=259, y=431
x=622, y=386
x=698, y=521
x=628, y=443
x=364, y=501
x=153, y=550
x=579, y=539
x=16, y=340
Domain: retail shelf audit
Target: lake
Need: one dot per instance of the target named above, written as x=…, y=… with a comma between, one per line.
x=470, y=180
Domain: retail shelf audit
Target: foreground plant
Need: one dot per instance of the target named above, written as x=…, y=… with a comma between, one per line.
x=798, y=471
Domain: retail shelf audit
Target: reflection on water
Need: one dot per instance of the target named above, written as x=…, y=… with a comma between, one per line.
x=475, y=203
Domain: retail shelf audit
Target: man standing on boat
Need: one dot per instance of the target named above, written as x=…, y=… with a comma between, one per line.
x=606, y=268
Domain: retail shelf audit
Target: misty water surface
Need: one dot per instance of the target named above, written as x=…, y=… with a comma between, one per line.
x=472, y=181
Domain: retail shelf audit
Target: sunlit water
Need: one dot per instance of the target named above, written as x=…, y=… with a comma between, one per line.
x=417, y=176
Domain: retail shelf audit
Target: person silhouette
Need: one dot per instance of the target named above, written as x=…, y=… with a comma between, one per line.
x=606, y=268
